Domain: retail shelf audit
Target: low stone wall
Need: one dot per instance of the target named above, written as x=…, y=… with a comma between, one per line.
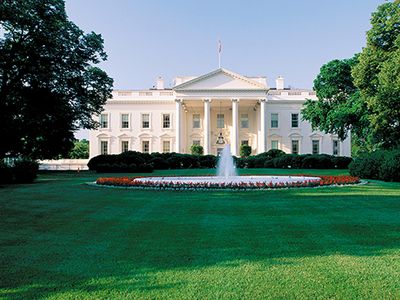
x=64, y=165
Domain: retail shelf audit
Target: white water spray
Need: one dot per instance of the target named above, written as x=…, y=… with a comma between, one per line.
x=226, y=167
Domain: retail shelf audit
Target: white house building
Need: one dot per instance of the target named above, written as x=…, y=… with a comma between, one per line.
x=218, y=108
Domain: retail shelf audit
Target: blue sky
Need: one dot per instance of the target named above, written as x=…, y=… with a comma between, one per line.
x=146, y=39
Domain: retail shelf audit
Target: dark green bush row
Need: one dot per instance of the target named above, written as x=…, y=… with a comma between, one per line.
x=381, y=165
x=278, y=159
x=23, y=171
x=137, y=162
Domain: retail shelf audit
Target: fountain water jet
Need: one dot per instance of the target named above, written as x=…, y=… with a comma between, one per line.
x=226, y=167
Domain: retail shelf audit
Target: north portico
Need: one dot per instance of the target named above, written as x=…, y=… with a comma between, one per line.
x=212, y=110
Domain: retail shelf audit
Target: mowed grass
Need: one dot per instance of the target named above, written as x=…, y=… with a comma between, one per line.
x=62, y=239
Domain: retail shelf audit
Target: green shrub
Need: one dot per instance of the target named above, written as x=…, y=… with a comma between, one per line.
x=6, y=175
x=317, y=161
x=245, y=150
x=368, y=165
x=196, y=149
x=25, y=170
x=390, y=167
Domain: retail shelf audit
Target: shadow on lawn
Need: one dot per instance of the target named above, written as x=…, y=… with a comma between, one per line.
x=105, y=240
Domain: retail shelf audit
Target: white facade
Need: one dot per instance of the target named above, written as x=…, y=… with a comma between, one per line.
x=218, y=106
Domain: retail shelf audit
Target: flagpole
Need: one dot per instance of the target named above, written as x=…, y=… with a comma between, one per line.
x=219, y=53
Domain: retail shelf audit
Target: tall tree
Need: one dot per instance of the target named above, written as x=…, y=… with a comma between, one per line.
x=377, y=75
x=339, y=107
x=49, y=84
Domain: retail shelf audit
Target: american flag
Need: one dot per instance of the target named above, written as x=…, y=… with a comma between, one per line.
x=219, y=46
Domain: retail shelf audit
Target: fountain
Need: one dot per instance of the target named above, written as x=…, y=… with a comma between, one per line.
x=225, y=167
x=226, y=175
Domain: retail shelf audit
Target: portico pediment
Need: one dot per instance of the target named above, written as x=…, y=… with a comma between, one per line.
x=221, y=80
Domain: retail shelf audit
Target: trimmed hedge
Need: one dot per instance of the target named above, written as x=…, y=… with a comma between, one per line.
x=137, y=162
x=23, y=171
x=380, y=165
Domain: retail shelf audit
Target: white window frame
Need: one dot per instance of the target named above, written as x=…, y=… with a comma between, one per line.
x=270, y=123
x=162, y=146
x=162, y=121
x=337, y=147
x=122, y=148
x=101, y=146
x=298, y=146
x=142, y=145
x=298, y=120
x=319, y=146
x=129, y=121
x=108, y=120
x=277, y=144
x=223, y=119
x=199, y=127
x=246, y=120
x=141, y=121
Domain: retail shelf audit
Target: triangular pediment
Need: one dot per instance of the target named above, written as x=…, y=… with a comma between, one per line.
x=220, y=79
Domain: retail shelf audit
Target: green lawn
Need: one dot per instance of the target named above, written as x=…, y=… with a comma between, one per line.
x=63, y=239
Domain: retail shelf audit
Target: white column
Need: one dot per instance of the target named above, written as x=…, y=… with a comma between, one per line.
x=235, y=126
x=263, y=126
x=206, y=126
x=178, y=127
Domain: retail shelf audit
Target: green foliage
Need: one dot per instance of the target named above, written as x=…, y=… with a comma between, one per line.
x=381, y=165
x=196, y=149
x=245, y=150
x=23, y=170
x=49, y=84
x=339, y=108
x=377, y=74
x=80, y=150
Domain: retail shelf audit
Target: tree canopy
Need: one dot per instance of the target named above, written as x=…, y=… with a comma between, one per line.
x=49, y=83
x=362, y=94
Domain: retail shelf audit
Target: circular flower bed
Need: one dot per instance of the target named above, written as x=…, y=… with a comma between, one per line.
x=198, y=185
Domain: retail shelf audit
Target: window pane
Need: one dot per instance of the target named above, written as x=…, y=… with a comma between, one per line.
x=145, y=146
x=145, y=121
x=315, y=146
x=196, y=142
x=166, y=146
x=245, y=142
x=104, y=121
x=104, y=147
x=220, y=121
x=274, y=121
x=244, y=121
x=274, y=144
x=295, y=147
x=335, y=150
x=166, y=121
x=124, y=146
x=295, y=120
x=125, y=121
x=196, y=121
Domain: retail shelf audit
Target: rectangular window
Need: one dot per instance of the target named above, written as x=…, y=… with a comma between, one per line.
x=196, y=121
x=196, y=142
x=335, y=147
x=274, y=144
x=245, y=142
x=274, y=121
x=124, y=146
x=295, y=120
x=295, y=147
x=220, y=121
x=145, y=121
x=219, y=151
x=315, y=146
x=145, y=146
x=104, y=121
x=166, y=121
x=104, y=147
x=125, y=121
x=244, y=121
x=166, y=145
